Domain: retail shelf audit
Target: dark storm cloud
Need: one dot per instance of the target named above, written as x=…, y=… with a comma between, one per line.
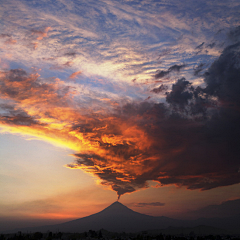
x=211, y=45
x=222, y=78
x=174, y=68
x=234, y=34
x=198, y=69
x=164, y=53
x=193, y=142
x=159, y=89
x=151, y=204
x=19, y=120
x=210, y=144
x=180, y=93
x=161, y=74
x=86, y=159
x=200, y=46
x=14, y=116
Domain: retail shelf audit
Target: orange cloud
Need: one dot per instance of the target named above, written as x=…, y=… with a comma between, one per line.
x=43, y=110
x=40, y=34
x=10, y=41
x=75, y=74
x=108, y=100
x=35, y=45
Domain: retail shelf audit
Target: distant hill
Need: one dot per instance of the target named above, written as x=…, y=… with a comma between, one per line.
x=232, y=224
x=227, y=209
x=119, y=218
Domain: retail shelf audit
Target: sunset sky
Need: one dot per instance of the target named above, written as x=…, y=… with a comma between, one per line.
x=107, y=99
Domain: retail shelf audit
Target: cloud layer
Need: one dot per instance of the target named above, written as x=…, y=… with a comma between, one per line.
x=106, y=58
x=191, y=140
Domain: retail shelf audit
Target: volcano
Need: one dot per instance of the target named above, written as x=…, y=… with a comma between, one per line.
x=119, y=218
x=114, y=218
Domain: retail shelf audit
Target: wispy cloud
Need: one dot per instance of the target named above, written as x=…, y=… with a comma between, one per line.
x=75, y=74
x=119, y=54
x=150, y=204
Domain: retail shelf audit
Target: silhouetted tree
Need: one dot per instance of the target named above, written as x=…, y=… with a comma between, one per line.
x=37, y=235
x=50, y=235
x=168, y=237
x=160, y=237
x=59, y=235
x=100, y=234
x=93, y=234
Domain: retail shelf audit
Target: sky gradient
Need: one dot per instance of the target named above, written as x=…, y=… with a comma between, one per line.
x=101, y=100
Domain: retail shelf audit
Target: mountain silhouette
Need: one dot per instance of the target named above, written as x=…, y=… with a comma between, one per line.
x=115, y=218
x=119, y=218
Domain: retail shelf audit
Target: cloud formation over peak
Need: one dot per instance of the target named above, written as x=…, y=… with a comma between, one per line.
x=192, y=142
x=185, y=133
